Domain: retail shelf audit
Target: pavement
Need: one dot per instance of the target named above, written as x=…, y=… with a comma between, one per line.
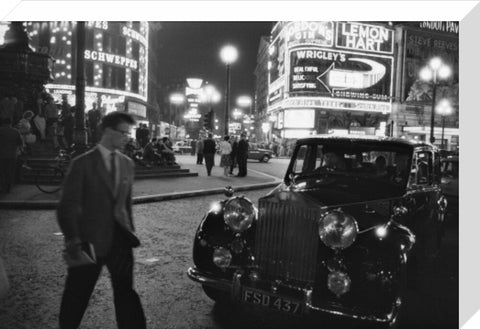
x=24, y=196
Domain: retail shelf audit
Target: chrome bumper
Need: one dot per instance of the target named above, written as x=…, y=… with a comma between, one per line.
x=235, y=288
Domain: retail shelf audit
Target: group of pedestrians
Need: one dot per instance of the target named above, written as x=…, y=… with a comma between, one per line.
x=232, y=153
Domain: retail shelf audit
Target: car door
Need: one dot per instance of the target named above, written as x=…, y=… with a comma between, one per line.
x=425, y=199
x=253, y=152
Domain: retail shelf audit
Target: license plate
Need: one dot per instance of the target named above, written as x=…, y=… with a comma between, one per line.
x=274, y=302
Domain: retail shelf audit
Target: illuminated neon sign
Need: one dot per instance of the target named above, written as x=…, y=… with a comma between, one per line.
x=110, y=58
x=98, y=24
x=365, y=37
x=336, y=104
x=97, y=90
x=134, y=35
x=320, y=33
x=322, y=72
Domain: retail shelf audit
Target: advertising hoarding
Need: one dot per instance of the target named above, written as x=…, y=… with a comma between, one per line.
x=332, y=73
x=299, y=118
x=420, y=47
x=364, y=37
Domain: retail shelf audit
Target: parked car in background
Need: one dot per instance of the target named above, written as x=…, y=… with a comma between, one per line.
x=450, y=169
x=257, y=153
x=352, y=219
x=182, y=147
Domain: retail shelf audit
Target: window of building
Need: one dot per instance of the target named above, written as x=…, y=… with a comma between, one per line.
x=89, y=39
x=136, y=26
x=135, y=81
x=135, y=50
x=89, y=73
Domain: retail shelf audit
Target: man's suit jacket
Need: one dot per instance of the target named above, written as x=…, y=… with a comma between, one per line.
x=88, y=208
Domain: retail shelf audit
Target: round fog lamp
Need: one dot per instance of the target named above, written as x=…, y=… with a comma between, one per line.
x=222, y=257
x=339, y=283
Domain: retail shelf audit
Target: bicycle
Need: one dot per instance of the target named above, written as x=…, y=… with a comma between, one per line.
x=49, y=179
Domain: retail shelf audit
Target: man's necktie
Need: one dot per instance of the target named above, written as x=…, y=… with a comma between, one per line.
x=113, y=170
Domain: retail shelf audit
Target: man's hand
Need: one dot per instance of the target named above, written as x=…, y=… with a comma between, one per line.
x=73, y=248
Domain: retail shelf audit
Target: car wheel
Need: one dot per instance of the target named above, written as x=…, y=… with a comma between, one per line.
x=265, y=158
x=216, y=295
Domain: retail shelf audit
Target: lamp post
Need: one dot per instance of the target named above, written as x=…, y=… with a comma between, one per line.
x=80, y=133
x=435, y=70
x=228, y=55
x=176, y=99
x=444, y=108
x=211, y=96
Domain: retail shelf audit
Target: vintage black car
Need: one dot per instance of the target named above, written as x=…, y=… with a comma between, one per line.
x=257, y=153
x=352, y=219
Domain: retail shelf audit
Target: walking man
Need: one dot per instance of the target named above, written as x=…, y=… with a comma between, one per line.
x=209, y=153
x=96, y=207
x=200, y=151
x=242, y=155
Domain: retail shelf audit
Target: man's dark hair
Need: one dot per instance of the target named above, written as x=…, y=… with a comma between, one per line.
x=154, y=139
x=164, y=139
x=210, y=135
x=226, y=138
x=113, y=119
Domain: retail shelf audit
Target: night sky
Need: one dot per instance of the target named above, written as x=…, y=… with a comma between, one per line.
x=192, y=49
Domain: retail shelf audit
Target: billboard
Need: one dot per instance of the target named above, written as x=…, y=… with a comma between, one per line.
x=332, y=73
x=364, y=37
x=420, y=47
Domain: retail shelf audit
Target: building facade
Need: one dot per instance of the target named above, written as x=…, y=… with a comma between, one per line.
x=116, y=63
x=357, y=78
x=262, y=127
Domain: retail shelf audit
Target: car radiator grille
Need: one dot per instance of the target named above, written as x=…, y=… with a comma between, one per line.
x=286, y=242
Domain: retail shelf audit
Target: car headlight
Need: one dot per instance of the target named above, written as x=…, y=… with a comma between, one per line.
x=239, y=214
x=337, y=230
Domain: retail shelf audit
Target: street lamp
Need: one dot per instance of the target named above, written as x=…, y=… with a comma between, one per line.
x=435, y=70
x=444, y=108
x=177, y=99
x=228, y=54
x=245, y=101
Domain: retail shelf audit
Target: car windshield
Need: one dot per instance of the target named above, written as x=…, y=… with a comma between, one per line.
x=383, y=163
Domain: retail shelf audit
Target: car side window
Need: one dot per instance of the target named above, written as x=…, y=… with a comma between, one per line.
x=423, y=165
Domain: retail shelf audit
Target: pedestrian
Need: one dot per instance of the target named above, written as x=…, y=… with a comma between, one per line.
x=11, y=143
x=51, y=116
x=209, y=149
x=225, y=155
x=68, y=122
x=144, y=135
x=242, y=155
x=233, y=155
x=94, y=117
x=96, y=209
x=39, y=126
x=193, y=145
x=7, y=108
x=200, y=151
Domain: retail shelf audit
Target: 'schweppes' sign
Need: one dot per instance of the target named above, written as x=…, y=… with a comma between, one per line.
x=364, y=37
x=330, y=73
x=111, y=59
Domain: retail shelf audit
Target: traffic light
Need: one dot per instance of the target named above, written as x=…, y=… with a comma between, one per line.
x=208, y=120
